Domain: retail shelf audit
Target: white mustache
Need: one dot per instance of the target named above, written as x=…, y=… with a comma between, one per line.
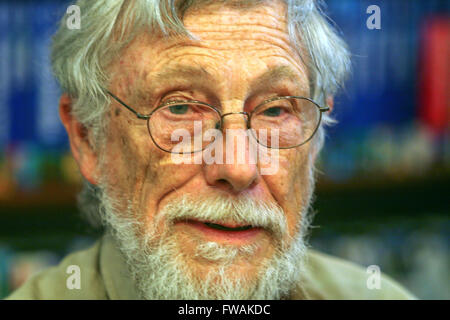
x=219, y=210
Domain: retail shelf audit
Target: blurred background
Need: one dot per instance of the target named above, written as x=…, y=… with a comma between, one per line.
x=382, y=197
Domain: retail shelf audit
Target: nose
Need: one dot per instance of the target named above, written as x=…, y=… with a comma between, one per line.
x=238, y=169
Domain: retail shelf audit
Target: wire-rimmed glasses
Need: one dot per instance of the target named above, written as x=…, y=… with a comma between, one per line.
x=189, y=126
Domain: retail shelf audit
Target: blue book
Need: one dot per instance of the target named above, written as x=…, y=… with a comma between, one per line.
x=49, y=131
x=22, y=108
x=5, y=74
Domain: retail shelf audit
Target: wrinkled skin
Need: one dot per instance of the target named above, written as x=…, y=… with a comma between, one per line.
x=237, y=47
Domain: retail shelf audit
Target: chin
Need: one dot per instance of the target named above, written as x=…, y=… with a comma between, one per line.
x=179, y=263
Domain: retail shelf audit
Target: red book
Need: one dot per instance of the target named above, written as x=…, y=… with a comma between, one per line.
x=434, y=90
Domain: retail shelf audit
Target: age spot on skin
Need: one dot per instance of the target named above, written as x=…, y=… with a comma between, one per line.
x=117, y=112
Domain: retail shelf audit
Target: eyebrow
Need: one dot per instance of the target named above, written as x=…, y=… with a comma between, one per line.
x=275, y=75
x=183, y=71
x=178, y=71
x=202, y=77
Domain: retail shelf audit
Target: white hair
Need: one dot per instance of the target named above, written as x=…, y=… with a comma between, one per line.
x=158, y=266
x=80, y=57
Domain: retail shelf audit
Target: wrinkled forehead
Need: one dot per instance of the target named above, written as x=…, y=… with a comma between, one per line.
x=270, y=14
x=237, y=29
x=246, y=43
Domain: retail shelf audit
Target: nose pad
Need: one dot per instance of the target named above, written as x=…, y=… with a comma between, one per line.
x=237, y=171
x=245, y=115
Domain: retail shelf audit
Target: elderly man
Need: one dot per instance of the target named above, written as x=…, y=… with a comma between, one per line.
x=156, y=94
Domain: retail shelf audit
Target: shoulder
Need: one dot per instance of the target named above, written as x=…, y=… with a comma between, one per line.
x=329, y=277
x=52, y=282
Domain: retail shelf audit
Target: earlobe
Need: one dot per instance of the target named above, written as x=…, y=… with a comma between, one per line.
x=82, y=151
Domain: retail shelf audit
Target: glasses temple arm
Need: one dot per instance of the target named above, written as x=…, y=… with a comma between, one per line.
x=140, y=116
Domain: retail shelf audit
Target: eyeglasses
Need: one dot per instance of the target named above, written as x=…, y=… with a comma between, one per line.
x=281, y=123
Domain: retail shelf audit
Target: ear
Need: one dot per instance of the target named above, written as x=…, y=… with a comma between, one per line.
x=330, y=102
x=80, y=145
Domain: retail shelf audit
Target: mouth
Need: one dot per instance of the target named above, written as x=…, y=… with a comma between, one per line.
x=226, y=228
x=222, y=232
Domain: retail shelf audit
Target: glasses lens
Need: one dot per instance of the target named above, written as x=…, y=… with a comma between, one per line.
x=183, y=127
x=285, y=123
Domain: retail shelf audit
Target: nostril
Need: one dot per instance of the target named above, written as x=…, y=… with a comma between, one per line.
x=223, y=184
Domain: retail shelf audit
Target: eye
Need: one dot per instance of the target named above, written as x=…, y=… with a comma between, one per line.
x=272, y=112
x=179, y=109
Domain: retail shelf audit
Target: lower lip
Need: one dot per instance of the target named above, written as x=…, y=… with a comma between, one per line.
x=223, y=235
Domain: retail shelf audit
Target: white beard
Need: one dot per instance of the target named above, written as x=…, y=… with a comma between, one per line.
x=158, y=265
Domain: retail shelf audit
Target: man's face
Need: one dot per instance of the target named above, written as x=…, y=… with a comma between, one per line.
x=243, y=58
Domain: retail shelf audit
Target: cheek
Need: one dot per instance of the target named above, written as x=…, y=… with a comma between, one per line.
x=290, y=186
x=301, y=191
x=148, y=175
x=292, y=171
x=127, y=155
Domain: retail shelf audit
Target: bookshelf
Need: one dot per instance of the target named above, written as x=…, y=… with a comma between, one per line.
x=386, y=164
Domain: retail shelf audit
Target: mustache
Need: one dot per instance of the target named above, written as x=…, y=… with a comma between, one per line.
x=242, y=211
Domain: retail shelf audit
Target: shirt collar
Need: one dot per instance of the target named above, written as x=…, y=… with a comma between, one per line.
x=118, y=282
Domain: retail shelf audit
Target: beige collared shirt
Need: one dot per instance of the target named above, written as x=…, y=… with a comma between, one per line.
x=104, y=275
